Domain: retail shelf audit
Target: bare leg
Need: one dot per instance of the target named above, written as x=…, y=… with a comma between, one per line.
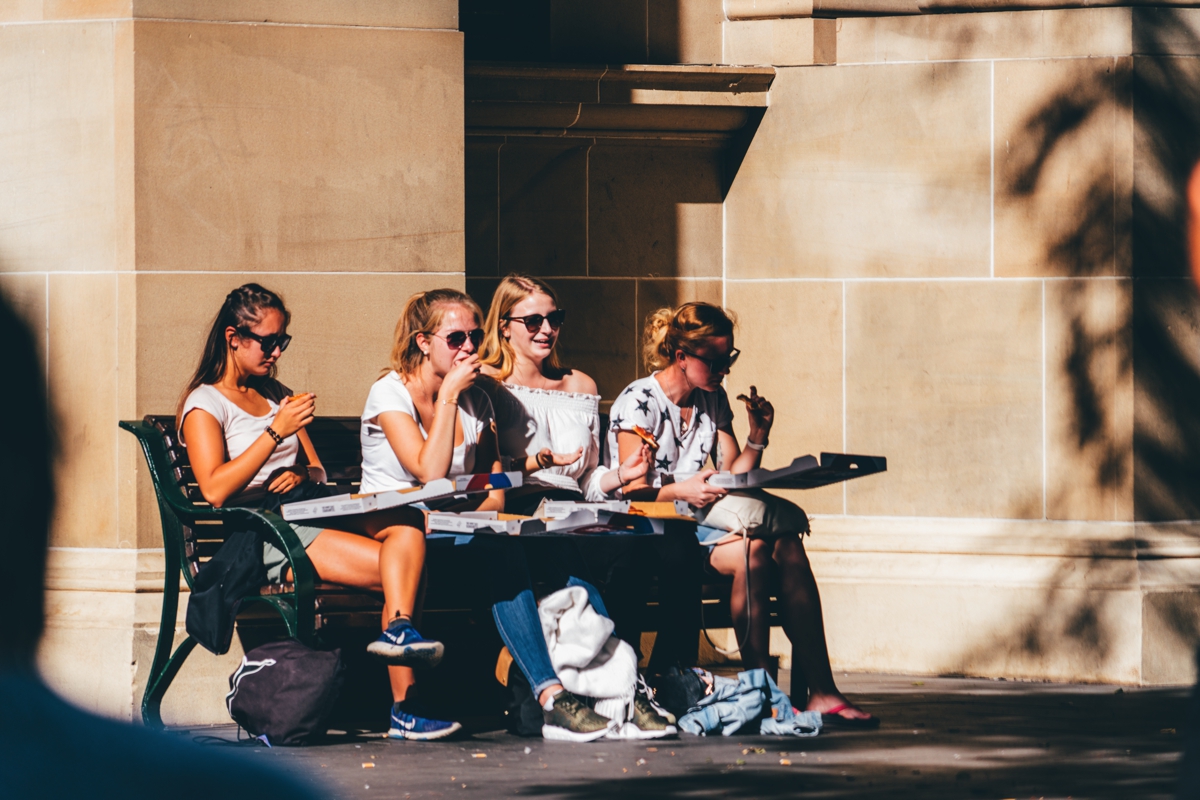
x=804, y=624
x=782, y=564
x=391, y=562
x=751, y=623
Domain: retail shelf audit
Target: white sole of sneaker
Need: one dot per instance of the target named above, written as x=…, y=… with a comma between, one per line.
x=428, y=654
x=627, y=730
x=396, y=733
x=553, y=733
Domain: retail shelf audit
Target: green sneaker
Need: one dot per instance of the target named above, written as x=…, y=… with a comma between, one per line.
x=570, y=720
x=649, y=719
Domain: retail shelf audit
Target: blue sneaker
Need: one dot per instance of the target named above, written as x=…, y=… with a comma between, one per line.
x=419, y=729
x=401, y=645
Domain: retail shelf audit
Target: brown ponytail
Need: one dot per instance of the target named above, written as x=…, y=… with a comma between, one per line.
x=684, y=328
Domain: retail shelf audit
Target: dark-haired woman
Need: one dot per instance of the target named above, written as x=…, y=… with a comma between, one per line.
x=246, y=441
x=690, y=350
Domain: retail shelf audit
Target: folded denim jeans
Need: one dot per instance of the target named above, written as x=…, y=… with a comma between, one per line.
x=743, y=702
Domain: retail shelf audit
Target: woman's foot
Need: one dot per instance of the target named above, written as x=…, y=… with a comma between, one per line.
x=837, y=711
x=420, y=729
x=401, y=645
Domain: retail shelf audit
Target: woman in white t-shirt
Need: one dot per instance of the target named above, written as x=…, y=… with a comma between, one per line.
x=247, y=446
x=683, y=405
x=425, y=419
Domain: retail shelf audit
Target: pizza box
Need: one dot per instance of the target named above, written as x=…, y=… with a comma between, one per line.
x=347, y=504
x=805, y=472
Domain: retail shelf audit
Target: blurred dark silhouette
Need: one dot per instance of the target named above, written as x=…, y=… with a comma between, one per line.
x=48, y=748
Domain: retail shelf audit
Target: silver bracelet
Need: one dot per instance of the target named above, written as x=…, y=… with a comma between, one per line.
x=756, y=446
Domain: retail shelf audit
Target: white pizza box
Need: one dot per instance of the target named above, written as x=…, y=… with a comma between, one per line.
x=595, y=521
x=473, y=521
x=345, y=504
x=560, y=509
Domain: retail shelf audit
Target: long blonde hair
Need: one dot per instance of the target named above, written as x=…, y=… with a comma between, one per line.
x=683, y=328
x=423, y=313
x=496, y=351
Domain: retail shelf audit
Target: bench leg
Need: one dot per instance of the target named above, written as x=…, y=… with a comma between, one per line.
x=161, y=680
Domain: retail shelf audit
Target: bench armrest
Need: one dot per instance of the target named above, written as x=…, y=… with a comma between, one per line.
x=280, y=534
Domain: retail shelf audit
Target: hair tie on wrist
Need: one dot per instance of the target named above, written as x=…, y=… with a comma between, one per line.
x=756, y=446
x=271, y=432
x=620, y=480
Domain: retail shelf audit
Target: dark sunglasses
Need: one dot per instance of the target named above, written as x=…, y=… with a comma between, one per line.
x=533, y=322
x=718, y=363
x=267, y=343
x=456, y=339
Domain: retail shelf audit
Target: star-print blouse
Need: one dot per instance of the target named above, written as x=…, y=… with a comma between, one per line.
x=679, y=449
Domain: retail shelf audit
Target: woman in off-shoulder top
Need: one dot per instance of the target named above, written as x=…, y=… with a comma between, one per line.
x=548, y=423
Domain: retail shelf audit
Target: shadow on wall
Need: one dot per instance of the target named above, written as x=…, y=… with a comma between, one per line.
x=1128, y=350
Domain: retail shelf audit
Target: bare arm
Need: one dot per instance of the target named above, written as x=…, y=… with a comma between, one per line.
x=424, y=459
x=694, y=490
x=733, y=458
x=220, y=479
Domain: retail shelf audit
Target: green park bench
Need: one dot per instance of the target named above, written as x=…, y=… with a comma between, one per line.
x=311, y=611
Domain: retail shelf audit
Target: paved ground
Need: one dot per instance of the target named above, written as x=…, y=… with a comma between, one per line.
x=940, y=738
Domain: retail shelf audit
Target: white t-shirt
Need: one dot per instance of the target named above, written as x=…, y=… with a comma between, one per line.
x=644, y=403
x=381, y=470
x=528, y=420
x=241, y=428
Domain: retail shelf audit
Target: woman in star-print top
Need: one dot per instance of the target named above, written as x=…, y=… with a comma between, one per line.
x=684, y=407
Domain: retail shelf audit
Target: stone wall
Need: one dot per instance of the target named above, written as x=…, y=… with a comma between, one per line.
x=154, y=156
x=962, y=244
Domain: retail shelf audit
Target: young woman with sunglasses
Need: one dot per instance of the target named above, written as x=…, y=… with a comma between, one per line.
x=548, y=424
x=548, y=417
x=683, y=405
x=247, y=444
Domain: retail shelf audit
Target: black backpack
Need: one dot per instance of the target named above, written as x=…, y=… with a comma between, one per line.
x=283, y=692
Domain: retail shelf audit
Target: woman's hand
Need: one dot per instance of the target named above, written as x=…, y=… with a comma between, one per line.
x=697, y=491
x=546, y=458
x=636, y=466
x=761, y=413
x=294, y=413
x=460, y=378
x=283, y=480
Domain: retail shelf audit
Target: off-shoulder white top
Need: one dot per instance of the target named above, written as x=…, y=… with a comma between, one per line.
x=528, y=420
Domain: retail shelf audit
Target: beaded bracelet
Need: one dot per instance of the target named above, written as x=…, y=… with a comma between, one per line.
x=271, y=432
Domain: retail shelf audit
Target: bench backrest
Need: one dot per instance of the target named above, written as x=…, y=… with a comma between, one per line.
x=199, y=535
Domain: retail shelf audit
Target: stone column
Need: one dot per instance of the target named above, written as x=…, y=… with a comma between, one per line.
x=155, y=154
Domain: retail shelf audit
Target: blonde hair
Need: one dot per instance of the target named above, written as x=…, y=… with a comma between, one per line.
x=683, y=328
x=423, y=313
x=496, y=351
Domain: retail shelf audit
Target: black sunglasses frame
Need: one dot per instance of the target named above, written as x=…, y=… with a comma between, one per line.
x=280, y=340
x=719, y=364
x=456, y=339
x=556, y=318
